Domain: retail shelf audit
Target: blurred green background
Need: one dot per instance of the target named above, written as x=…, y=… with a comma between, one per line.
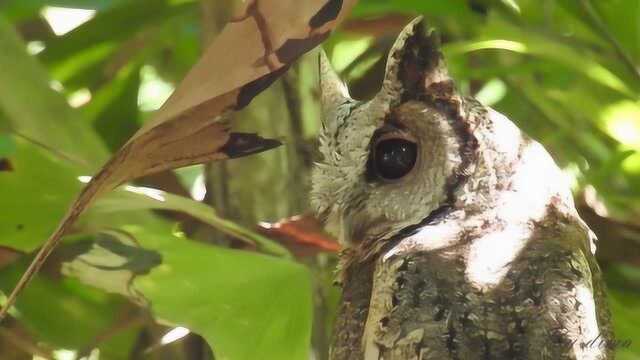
x=175, y=266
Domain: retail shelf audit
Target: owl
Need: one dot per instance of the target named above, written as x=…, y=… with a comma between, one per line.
x=462, y=239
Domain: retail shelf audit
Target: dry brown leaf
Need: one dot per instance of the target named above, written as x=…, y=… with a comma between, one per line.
x=253, y=50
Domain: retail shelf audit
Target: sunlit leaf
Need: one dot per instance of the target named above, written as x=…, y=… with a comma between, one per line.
x=261, y=299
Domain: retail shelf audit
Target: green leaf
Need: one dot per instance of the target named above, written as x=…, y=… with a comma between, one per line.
x=86, y=67
x=625, y=323
x=34, y=110
x=7, y=145
x=232, y=298
x=67, y=302
x=606, y=20
x=110, y=27
x=120, y=345
x=129, y=198
x=35, y=194
x=248, y=298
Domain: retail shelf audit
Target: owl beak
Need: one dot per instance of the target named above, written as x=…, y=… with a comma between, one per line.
x=334, y=91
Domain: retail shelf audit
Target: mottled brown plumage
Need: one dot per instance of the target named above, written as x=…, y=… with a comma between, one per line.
x=475, y=251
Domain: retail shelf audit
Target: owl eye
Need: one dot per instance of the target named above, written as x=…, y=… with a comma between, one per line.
x=394, y=158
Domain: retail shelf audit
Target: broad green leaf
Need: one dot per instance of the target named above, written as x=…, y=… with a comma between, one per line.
x=35, y=194
x=129, y=198
x=247, y=299
x=232, y=298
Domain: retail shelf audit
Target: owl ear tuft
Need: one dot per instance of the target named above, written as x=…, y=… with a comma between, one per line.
x=334, y=91
x=415, y=67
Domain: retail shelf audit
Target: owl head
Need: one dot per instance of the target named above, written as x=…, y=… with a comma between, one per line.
x=417, y=152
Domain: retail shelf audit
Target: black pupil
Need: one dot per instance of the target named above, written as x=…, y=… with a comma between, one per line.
x=394, y=158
